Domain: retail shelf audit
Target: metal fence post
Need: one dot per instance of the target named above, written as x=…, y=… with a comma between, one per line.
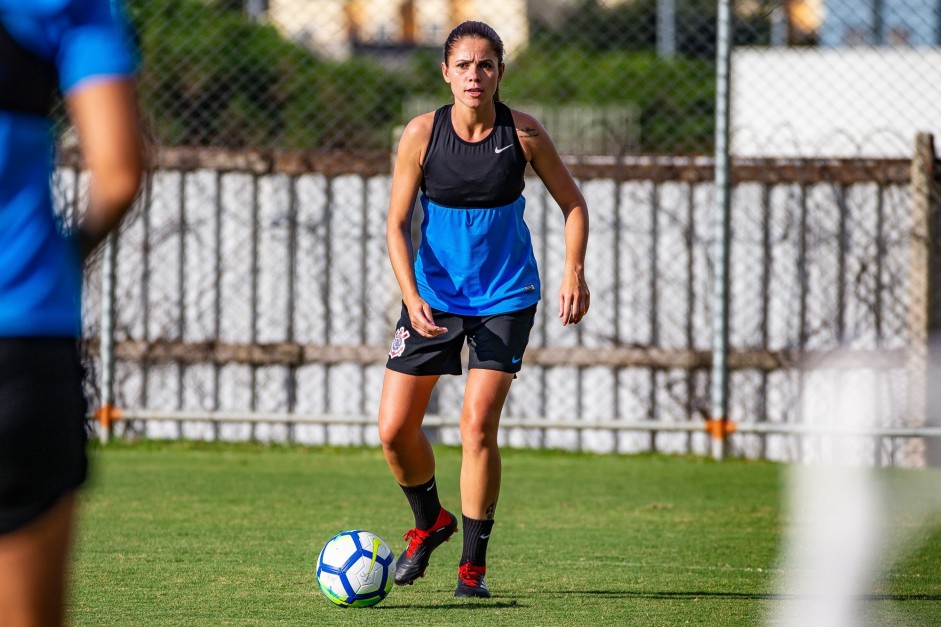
x=666, y=28
x=107, y=412
x=718, y=424
x=923, y=312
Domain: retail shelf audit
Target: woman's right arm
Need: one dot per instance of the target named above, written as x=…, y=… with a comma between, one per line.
x=406, y=178
x=105, y=116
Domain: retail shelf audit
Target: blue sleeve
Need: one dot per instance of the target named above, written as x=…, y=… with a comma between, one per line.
x=95, y=44
x=33, y=8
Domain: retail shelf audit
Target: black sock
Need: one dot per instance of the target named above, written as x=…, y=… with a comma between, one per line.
x=424, y=501
x=476, y=537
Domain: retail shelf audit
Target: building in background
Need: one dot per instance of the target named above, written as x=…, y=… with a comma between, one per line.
x=862, y=102
x=337, y=28
x=881, y=23
x=851, y=78
x=837, y=23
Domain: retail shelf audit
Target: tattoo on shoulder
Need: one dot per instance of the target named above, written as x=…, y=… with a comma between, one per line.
x=528, y=132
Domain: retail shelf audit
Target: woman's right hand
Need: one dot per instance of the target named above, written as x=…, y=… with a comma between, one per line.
x=419, y=314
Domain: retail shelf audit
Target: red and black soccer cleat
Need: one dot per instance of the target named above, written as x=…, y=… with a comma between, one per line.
x=414, y=560
x=470, y=582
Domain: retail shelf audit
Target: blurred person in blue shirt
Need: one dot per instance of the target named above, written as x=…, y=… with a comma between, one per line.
x=80, y=48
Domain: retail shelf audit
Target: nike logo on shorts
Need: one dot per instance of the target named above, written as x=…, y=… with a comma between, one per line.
x=499, y=150
x=515, y=359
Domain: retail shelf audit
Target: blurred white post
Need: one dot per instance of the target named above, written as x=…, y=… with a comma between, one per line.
x=837, y=517
x=720, y=336
x=108, y=288
x=666, y=28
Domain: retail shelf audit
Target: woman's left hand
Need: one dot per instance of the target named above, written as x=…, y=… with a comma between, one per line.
x=574, y=298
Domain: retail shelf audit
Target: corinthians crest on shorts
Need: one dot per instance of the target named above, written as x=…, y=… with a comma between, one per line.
x=398, y=343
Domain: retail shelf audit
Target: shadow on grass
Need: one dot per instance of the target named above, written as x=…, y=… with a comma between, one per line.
x=636, y=594
x=470, y=604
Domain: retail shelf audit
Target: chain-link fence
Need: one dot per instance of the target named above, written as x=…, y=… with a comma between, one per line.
x=252, y=285
x=813, y=77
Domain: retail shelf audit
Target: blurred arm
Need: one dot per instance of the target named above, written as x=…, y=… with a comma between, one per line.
x=106, y=117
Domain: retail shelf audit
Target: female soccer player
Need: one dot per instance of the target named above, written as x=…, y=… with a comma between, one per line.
x=79, y=45
x=475, y=280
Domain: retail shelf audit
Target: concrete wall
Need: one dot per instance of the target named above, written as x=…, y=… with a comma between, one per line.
x=817, y=102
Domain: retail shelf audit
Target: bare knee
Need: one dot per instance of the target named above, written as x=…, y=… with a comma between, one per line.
x=395, y=434
x=478, y=434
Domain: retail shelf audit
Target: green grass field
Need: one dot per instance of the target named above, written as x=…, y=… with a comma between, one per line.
x=228, y=534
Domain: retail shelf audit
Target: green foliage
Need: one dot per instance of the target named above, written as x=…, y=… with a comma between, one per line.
x=211, y=76
x=674, y=97
x=595, y=26
x=591, y=26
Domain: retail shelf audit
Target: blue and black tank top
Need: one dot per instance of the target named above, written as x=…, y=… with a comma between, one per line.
x=476, y=255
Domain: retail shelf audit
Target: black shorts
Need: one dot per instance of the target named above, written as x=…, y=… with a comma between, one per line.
x=42, y=426
x=495, y=342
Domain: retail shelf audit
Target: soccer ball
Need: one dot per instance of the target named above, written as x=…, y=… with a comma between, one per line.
x=355, y=569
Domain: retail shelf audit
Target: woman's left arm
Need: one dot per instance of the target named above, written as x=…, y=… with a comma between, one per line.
x=574, y=297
